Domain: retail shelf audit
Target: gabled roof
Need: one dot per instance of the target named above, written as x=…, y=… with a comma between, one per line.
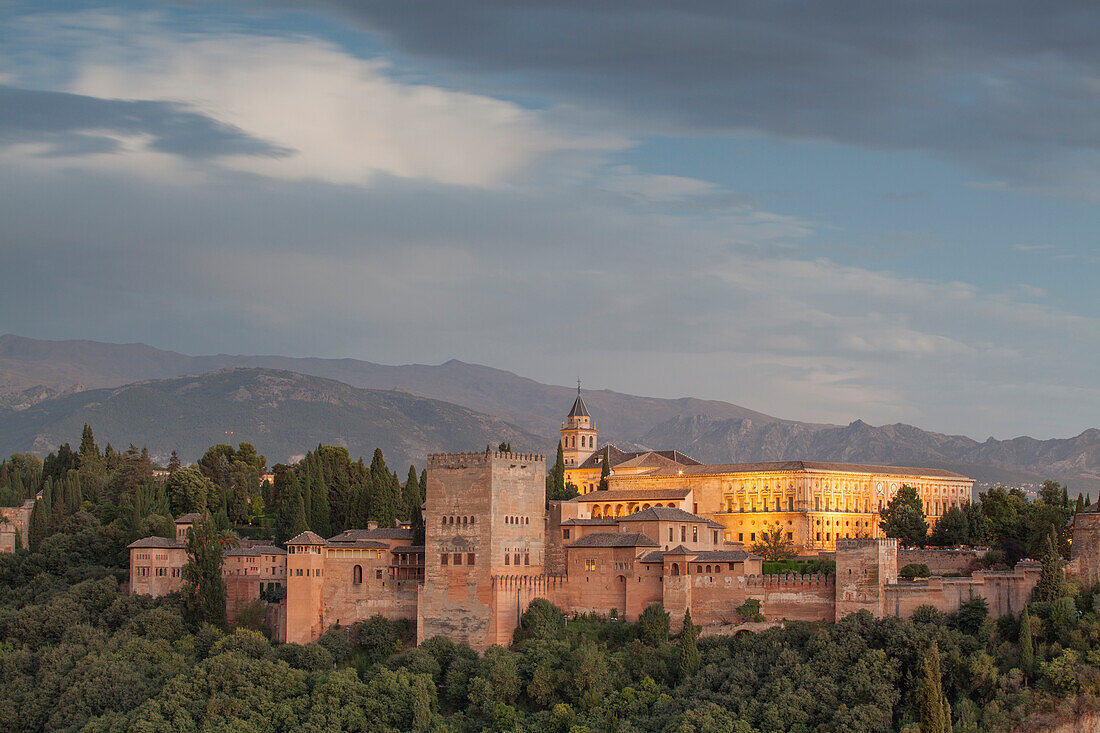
x=681, y=550
x=579, y=408
x=307, y=538
x=190, y=518
x=667, y=514
x=615, y=539
x=615, y=495
x=725, y=556
x=652, y=459
x=380, y=533
x=159, y=543
x=617, y=457
x=765, y=466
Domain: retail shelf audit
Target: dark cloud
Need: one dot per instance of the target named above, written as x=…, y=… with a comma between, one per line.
x=74, y=124
x=982, y=83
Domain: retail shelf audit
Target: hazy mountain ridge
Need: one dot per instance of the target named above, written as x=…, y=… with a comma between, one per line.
x=33, y=371
x=1020, y=459
x=282, y=413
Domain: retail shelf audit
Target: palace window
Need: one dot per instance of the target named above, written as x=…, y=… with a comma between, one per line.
x=507, y=559
x=469, y=558
x=790, y=535
x=695, y=533
x=378, y=574
x=590, y=565
x=752, y=536
x=357, y=574
x=740, y=536
x=527, y=558
x=565, y=534
x=683, y=533
x=458, y=558
x=443, y=559
x=515, y=559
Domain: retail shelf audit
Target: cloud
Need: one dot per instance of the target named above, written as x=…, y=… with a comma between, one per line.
x=71, y=125
x=1004, y=87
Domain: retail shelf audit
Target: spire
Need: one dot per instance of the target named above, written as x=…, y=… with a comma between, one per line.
x=579, y=408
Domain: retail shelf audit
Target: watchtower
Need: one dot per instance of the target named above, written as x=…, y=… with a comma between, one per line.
x=863, y=568
x=484, y=518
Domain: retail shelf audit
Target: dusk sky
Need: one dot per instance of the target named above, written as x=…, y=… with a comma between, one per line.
x=822, y=211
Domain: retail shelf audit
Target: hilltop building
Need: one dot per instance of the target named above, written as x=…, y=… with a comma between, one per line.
x=814, y=503
x=661, y=534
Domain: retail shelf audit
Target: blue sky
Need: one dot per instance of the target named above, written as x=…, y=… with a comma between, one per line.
x=824, y=212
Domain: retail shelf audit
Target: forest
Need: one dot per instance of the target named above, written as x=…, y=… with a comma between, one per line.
x=77, y=654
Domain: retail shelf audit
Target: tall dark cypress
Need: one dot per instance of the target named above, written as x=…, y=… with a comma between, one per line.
x=318, y=504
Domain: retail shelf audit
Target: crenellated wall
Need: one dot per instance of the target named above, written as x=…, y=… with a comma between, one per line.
x=1006, y=592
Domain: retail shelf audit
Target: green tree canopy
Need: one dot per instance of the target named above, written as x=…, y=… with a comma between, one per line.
x=904, y=517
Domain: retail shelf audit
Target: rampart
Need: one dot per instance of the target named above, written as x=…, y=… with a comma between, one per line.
x=941, y=561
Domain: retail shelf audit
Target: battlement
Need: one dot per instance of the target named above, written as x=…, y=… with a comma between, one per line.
x=479, y=458
x=857, y=543
x=536, y=583
x=792, y=580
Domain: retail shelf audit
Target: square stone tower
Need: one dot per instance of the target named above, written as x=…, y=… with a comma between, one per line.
x=863, y=569
x=484, y=520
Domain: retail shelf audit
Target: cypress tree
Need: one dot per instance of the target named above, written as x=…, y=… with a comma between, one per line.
x=555, y=480
x=947, y=725
x=57, y=505
x=302, y=473
x=319, y=520
x=174, y=463
x=291, y=516
x=689, y=649
x=39, y=525
x=931, y=702
x=410, y=496
x=605, y=469
x=204, y=590
x=1027, y=646
x=1051, y=580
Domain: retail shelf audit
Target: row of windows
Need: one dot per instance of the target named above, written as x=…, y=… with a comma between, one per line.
x=517, y=520
x=143, y=572
x=515, y=558
x=309, y=572
x=587, y=441
x=456, y=558
x=303, y=549
x=452, y=520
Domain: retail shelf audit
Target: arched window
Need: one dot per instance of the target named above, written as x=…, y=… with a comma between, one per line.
x=675, y=568
x=357, y=574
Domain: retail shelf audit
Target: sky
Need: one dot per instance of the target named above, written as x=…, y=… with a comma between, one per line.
x=822, y=211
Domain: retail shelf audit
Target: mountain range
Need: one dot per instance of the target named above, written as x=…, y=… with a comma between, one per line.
x=49, y=388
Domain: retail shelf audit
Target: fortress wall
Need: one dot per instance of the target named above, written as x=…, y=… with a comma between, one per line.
x=1006, y=592
x=512, y=594
x=714, y=599
x=240, y=590
x=941, y=562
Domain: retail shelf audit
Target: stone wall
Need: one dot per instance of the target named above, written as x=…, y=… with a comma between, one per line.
x=1006, y=592
x=1085, y=554
x=863, y=567
x=714, y=599
x=941, y=561
x=19, y=517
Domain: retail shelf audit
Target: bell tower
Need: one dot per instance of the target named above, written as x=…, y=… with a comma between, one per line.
x=578, y=436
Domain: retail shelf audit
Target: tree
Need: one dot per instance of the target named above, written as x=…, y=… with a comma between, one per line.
x=903, y=517
x=774, y=546
x=953, y=529
x=605, y=469
x=1027, y=647
x=203, y=589
x=174, y=463
x=320, y=520
x=689, y=649
x=653, y=624
x=189, y=490
x=290, y=520
x=931, y=702
x=1051, y=583
x=504, y=447
x=411, y=500
x=555, y=479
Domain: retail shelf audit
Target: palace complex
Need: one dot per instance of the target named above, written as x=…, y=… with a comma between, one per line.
x=668, y=530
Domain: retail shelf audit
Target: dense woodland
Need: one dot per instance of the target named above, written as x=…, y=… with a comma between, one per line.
x=76, y=654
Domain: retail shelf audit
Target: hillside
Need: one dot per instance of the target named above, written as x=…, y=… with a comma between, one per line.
x=282, y=413
x=1021, y=460
x=34, y=371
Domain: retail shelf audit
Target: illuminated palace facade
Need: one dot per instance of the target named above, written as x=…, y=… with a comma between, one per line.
x=813, y=503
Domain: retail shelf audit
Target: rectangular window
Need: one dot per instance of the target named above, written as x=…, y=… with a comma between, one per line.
x=818, y=536
x=740, y=536
x=670, y=534
x=507, y=559
x=790, y=535
x=378, y=574
x=714, y=536
x=458, y=558
x=443, y=559
x=695, y=533
x=526, y=558
x=589, y=565
x=752, y=536
x=515, y=559
x=469, y=558
x=565, y=534
x=828, y=536
x=683, y=533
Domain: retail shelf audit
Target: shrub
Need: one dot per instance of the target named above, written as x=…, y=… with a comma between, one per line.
x=653, y=624
x=914, y=570
x=750, y=610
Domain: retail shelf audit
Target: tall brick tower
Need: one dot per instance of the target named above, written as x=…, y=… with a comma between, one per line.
x=484, y=520
x=863, y=568
x=578, y=435
x=305, y=563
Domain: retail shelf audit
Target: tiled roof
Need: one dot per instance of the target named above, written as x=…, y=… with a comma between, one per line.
x=156, y=543
x=680, y=550
x=667, y=514
x=271, y=550
x=589, y=522
x=242, y=551
x=579, y=408
x=725, y=556
x=655, y=556
x=616, y=457
x=407, y=548
x=615, y=495
x=615, y=539
x=648, y=460
x=721, y=468
x=307, y=538
x=380, y=533
x=361, y=544
x=189, y=518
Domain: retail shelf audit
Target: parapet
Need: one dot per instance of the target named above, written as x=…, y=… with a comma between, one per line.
x=793, y=580
x=858, y=543
x=479, y=458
